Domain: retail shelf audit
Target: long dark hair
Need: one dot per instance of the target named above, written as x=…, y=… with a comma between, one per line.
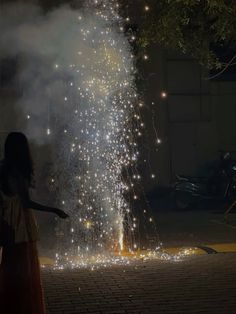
x=17, y=157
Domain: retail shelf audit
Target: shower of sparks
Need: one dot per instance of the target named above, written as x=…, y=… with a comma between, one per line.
x=98, y=261
x=99, y=140
x=80, y=101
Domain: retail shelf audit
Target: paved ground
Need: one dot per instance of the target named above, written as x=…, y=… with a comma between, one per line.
x=177, y=229
x=196, y=227
x=198, y=284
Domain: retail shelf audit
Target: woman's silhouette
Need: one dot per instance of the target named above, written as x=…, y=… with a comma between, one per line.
x=20, y=283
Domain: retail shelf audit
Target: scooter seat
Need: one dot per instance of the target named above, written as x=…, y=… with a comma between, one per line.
x=191, y=179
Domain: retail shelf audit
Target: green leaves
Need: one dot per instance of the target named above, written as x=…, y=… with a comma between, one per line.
x=194, y=27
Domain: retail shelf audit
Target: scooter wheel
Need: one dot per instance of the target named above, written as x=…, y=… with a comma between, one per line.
x=182, y=201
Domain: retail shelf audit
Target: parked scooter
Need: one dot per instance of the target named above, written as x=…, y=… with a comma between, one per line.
x=220, y=185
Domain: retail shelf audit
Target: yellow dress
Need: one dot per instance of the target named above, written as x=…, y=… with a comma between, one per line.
x=21, y=220
x=20, y=282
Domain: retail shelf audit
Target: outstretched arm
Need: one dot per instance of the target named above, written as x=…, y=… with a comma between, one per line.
x=31, y=204
x=23, y=190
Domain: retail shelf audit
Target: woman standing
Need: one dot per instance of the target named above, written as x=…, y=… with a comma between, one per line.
x=20, y=282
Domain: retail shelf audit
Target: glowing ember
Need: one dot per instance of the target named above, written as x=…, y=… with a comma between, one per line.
x=98, y=261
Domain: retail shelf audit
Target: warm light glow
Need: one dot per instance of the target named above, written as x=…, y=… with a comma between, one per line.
x=88, y=224
x=163, y=94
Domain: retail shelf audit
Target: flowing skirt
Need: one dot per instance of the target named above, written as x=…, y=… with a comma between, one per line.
x=20, y=282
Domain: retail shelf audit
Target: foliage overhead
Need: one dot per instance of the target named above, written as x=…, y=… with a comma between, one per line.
x=195, y=27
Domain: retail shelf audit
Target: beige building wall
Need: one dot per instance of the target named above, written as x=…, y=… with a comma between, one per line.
x=195, y=120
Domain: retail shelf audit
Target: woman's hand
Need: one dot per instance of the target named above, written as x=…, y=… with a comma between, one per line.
x=60, y=213
x=37, y=206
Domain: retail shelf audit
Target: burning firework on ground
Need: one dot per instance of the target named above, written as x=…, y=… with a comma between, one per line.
x=100, y=143
x=79, y=93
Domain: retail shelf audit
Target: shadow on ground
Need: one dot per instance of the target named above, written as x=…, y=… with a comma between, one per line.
x=203, y=224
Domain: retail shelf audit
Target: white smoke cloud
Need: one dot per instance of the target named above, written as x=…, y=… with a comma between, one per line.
x=76, y=74
x=50, y=48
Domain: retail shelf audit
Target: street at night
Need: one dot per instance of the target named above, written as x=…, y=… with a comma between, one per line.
x=199, y=284
x=117, y=156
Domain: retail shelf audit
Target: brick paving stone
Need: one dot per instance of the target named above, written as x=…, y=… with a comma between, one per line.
x=199, y=284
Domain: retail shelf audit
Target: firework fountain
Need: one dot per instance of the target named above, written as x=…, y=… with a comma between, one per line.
x=98, y=141
x=78, y=79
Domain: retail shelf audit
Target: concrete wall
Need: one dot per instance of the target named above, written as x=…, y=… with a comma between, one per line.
x=195, y=120
x=223, y=96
